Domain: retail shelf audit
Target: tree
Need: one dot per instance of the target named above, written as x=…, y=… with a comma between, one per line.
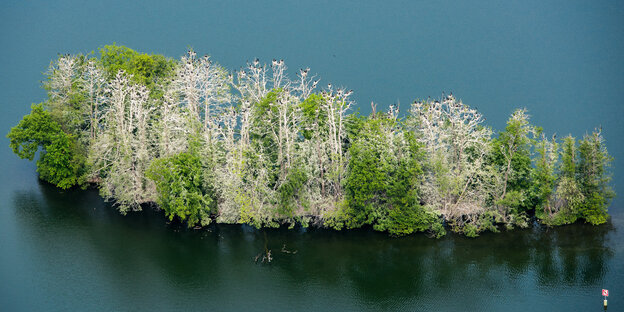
x=57, y=160
x=66, y=98
x=383, y=178
x=144, y=69
x=181, y=189
x=270, y=149
x=564, y=203
x=512, y=155
x=594, y=160
x=545, y=177
x=123, y=151
x=457, y=180
x=325, y=166
x=94, y=86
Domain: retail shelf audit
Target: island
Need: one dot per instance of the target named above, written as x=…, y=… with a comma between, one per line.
x=258, y=147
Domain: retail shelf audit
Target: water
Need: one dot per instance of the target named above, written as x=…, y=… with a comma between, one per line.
x=68, y=250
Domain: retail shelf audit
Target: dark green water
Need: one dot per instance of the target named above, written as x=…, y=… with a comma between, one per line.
x=68, y=250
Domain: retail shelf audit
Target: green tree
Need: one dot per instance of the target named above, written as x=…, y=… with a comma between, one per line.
x=511, y=153
x=568, y=197
x=314, y=117
x=594, y=178
x=146, y=69
x=545, y=176
x=382, y=180
x=182, y=191
x=57, y=162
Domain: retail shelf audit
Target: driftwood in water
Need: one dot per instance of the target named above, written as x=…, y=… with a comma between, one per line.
x=266, y=256
x=284, y=250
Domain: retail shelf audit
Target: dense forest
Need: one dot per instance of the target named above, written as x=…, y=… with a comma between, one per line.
x=255, y=146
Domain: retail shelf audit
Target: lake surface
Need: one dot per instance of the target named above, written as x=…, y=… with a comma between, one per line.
x=69, y=250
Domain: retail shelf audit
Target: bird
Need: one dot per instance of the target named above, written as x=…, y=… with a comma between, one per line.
x=329, y=86
x=256, y=62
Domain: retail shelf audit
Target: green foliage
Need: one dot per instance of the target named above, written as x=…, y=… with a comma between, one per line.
x=58, y=165
x=32, y=131
x=181, y=188
x=471, y=230
x=337, y=219
x=57, y=162
x=594, y=178
x=513, y=200
x=569, y=158
x=146, y=69
x=511, y=153
x=264, y=117
x=564, y=208
x=353, y=125
x=544, y=176
x=314, y=117
x=516, y=144
x=366, y=177
x=382, y=183
x=289, y=192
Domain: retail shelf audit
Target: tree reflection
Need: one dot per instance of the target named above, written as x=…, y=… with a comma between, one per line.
x=381, y=271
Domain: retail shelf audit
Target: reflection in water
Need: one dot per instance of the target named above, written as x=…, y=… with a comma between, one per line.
x=140, y=258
